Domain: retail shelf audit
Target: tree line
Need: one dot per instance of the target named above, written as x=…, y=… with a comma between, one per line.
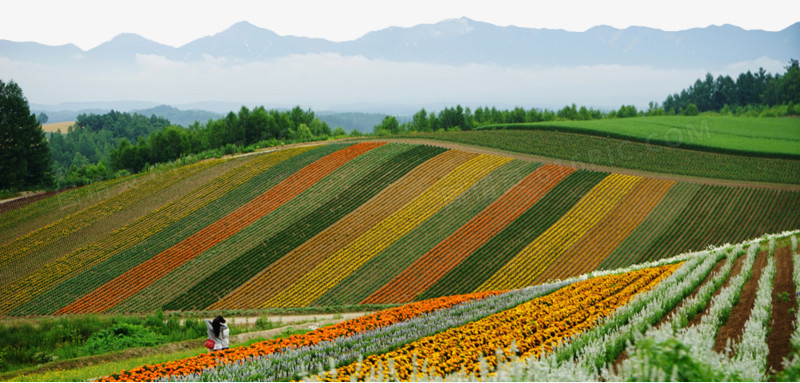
x=745, y=94
x=82, y=154
x=246, y=129
x=459, y=118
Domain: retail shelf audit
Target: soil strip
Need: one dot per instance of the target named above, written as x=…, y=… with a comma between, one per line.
x=735, y=270
x=784, y=299
x=624, y=354
x=18, y=202
x=732, y=329
x=677, y=307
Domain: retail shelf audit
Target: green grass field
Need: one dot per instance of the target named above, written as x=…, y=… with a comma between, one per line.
x=767, y=137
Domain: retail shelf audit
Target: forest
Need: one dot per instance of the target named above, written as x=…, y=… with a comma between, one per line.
x=104, y=146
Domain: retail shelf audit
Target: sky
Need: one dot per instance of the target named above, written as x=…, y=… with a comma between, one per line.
x=88, y=23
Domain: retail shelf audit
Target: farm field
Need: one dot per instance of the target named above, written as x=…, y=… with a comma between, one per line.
x=769, y=137
x=351, y=223
x=56, y=126
x=705, y=313
x=494, y=265
x=581, y=150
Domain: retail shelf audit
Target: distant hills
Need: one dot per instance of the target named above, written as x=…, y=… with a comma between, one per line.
x=69, y=111
x=363, y=122
x=454, y=42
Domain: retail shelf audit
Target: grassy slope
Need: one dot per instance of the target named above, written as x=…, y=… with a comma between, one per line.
x=772, y=136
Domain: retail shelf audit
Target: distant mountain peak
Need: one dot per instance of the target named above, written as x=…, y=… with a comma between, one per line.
x=244, y=29
x=244, y=26
x=460, y=25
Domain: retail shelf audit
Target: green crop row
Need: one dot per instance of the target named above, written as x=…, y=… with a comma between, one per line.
x=87, y=217
x=21, y=221
x=632, y=249
x=719, y=214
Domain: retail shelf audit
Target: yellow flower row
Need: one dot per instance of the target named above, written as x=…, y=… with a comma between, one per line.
x=523, y=269
x=56, y=272
x=526, y=330
x=345, y=261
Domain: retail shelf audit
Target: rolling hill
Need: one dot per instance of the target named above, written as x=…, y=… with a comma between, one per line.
x=357, y=222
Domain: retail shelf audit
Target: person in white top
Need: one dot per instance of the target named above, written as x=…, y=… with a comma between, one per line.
x=219, y=332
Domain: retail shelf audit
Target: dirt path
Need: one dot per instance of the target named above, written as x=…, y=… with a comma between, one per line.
x=588, y=166
x=310, y=322
x=289, y=319
x=731, y=331
x=22, y=201
x=784, y=299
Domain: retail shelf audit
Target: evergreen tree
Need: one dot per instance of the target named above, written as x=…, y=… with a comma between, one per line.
x=24, y=155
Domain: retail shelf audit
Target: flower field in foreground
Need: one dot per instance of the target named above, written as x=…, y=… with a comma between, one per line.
x=669, y=329
x=369, y=322
x=524, y=331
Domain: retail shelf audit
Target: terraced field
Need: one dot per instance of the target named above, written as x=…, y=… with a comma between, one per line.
x=357, y=223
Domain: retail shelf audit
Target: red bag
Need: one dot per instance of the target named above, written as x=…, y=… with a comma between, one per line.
x=209, y=344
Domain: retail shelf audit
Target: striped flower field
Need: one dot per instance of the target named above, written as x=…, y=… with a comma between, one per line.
x=576, y=329
x=360, y=223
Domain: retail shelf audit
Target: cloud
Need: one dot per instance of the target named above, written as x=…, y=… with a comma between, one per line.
x=328, y=81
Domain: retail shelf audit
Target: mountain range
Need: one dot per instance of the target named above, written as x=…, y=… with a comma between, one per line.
x=453, y=42
x=393, y=70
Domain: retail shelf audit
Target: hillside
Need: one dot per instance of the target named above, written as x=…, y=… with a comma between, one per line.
x=713, y=315
x=585, y=149
x=349, y=223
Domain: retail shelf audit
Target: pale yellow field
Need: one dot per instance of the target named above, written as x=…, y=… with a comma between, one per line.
x=52, y=128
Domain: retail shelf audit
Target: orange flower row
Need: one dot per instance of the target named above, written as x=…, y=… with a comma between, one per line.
x=383, y=318
x=533, y=327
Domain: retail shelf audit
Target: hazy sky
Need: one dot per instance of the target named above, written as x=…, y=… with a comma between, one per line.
x=88, y=23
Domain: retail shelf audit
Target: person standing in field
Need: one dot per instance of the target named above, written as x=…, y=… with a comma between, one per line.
x=218, y=332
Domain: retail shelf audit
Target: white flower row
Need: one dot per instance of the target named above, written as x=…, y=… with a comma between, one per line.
x=692, y=306
x=750, y=361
